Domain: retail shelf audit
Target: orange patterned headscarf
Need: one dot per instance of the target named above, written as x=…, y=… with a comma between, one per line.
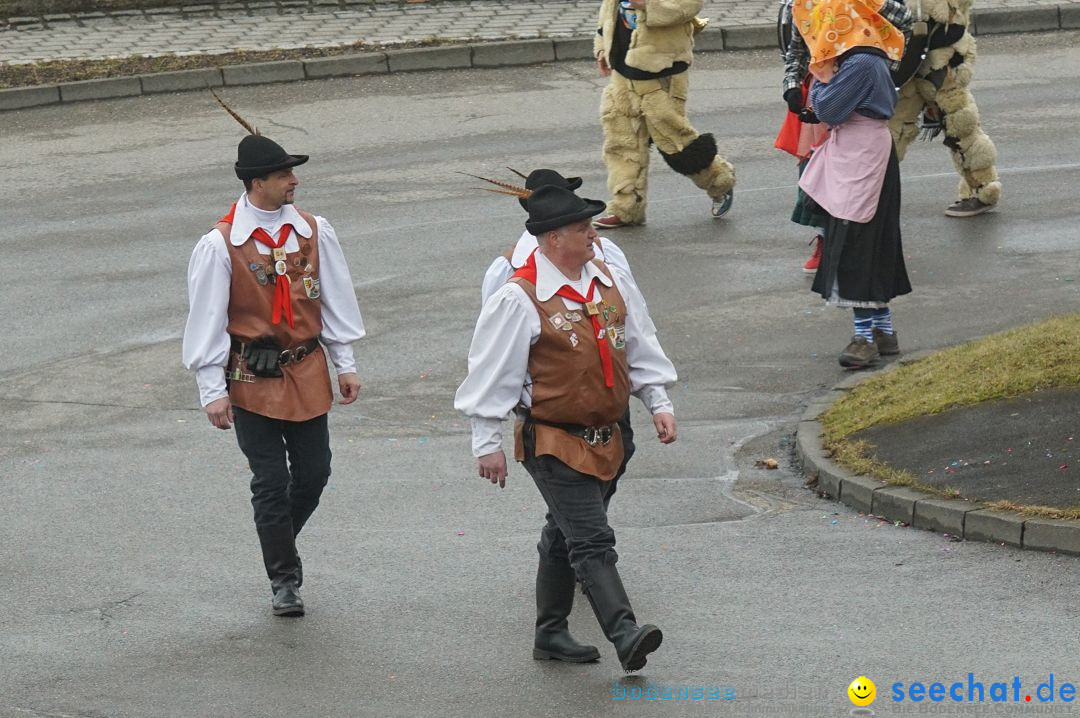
x=832, y=27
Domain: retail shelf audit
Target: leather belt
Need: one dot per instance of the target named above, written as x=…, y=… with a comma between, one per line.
x=593, y=435
x=287, y=356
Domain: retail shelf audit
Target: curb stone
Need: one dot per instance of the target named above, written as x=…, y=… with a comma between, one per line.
x=996, y=526
x=917, y=508
x=261, y=73
x=574, y=48
x=369, y=63
x=430, y=58
x=749, y=37
x=493, y=54
x=20, y=97
x=1033, y=19
x=513, y=52
x=858, y=491
x=1052, y=535
x=100, y=89
x=942, y=515
x=896, y=503
x=181, y=80
x=1069, y=16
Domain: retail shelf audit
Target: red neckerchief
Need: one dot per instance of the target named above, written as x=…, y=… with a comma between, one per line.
x=528, y=272
x=282, y=299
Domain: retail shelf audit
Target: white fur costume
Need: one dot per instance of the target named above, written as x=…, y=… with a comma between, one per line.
x=942, y=81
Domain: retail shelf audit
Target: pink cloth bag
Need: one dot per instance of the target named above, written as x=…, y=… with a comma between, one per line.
x=845, y=174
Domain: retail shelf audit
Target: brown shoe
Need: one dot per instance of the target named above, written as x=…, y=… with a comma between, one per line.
x=967, y=208
x=887, y=344
x=859, y=354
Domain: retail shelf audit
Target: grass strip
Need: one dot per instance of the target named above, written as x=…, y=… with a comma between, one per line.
x=1041, y=356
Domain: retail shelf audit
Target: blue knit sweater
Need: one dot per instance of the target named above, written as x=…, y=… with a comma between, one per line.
x=861, y=84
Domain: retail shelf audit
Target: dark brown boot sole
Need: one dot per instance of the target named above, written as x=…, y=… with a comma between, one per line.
x=647, y=641
x=542, y=655
x=288, y=611
x=853, y=363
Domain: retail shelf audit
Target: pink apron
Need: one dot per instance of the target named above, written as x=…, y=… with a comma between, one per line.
x=845, y=174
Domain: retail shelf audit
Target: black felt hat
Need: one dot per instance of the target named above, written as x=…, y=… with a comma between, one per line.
x=541, y=177
x=552, y=207
x=258, y=156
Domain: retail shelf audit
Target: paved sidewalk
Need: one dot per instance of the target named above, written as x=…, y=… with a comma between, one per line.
x=288, y=24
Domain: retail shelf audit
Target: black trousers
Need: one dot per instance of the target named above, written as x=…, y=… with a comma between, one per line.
x=290, y=465
x=576, y=528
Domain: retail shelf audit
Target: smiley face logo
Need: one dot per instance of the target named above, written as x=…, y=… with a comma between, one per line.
x=862, y=691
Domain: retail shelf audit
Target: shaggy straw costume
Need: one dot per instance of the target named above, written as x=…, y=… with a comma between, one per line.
x=633, y=112
x=942, y=81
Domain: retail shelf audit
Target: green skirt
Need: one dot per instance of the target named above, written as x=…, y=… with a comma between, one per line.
x=807, y=212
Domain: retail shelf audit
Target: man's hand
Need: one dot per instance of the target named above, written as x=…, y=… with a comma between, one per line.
x=219, y=412
x=493, y=467
x=601, y=61
x=349, y=386
x=666, y=430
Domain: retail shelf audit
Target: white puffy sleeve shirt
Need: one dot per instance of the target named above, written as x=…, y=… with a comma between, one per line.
x=508, y=326
x=206, y=337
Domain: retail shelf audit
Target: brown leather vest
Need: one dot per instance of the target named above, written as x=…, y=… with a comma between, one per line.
x=568, y=380
x=303, y=391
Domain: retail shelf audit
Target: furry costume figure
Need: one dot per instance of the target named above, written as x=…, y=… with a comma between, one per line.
x=635, y=112
x=942, y=83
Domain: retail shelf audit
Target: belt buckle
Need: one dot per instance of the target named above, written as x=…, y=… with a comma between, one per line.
x=299, y=353
x=590, y=436
x=604, y=434
x=284, y=357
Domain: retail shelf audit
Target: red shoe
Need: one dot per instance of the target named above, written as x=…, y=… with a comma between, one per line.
x=611, y=221
x=814, y=262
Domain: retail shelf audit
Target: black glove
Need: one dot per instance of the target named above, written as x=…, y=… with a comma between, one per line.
x=944, y=35
x=262, y=355
x=793, y=98
x=808, y=117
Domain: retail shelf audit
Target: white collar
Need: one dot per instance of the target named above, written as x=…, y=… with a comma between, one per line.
x=245, y=222
x=550, y=280
x=527, y=244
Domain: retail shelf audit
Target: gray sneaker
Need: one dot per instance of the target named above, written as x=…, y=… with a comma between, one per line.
x=967, y=207
x=722, y=206
x=887, y=344
x=859, y=354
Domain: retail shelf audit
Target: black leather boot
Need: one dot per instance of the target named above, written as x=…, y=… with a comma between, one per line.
x=283, y=568
x=632, y=642
x=554, y=601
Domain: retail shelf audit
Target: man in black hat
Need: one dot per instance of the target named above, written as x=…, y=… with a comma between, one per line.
x=270, y=297
x=566, y=341
x=504, y=265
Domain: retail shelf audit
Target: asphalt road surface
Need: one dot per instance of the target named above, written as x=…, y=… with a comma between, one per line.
x=131, y=570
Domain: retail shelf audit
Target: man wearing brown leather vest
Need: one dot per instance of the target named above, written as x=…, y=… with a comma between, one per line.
x=567, y=340
x=270, y=297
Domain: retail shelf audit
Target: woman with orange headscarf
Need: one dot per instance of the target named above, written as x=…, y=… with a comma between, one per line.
x=854, y=176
